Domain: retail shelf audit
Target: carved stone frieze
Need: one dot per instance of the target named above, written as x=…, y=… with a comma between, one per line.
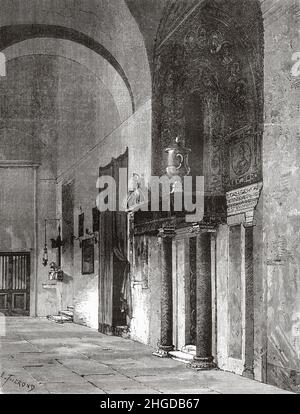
x=241, y=204
x=244, y=154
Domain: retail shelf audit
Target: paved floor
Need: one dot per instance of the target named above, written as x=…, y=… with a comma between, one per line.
x=38, y=357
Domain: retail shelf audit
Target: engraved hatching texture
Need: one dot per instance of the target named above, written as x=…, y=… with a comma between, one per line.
x=166, y=292
x=217, y=53
x=235, y=293
x=204, y=301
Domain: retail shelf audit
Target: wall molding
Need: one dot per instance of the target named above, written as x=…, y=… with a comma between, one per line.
x=18, y=164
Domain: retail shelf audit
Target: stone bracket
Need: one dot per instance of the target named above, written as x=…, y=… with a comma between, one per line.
x=167, y=231
x=241, y=204
x=202, y=228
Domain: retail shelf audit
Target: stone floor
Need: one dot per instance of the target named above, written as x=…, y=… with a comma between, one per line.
x=38, y=357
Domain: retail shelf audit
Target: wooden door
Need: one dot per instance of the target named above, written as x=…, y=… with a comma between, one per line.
x=14, y=284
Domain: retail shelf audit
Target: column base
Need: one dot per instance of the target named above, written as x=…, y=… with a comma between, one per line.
x=202, y=364
x=163, y=351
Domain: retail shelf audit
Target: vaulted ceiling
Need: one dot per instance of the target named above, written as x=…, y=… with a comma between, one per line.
x=51, y=46
x=104, y=26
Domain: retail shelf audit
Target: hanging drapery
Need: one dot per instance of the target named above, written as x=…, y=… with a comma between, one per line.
x=125, y=296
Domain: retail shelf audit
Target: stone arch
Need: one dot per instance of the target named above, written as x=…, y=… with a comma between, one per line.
x=92, y=61
x=107, y=27
x=12, y=35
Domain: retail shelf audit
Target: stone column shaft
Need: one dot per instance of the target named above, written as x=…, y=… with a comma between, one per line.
x=166, y=335
x=203, y=359
x=249, y=328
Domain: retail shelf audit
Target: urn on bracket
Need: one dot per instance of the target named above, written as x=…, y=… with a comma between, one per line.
x=178, y=160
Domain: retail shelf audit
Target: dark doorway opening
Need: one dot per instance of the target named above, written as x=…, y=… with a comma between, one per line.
x=113, y=272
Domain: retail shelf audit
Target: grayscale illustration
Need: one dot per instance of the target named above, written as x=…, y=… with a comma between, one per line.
x=149, y=198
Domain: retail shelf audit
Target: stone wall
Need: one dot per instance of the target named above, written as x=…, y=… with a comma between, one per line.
x=275, y=234
x=281, y=154
x=146, y=282
x=67, y=103
x=70, y=132
x=134, y=134
x=26, y=121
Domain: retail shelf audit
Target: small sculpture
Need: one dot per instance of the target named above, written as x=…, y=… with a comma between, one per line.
x=55, y=272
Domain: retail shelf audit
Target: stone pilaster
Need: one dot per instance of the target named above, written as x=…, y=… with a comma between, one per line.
x=166, y=336
x=203, y=359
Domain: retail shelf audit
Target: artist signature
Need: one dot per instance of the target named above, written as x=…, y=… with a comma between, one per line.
x=11, y=378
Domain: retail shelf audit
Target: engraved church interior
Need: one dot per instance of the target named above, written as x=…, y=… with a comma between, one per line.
x=98, y=97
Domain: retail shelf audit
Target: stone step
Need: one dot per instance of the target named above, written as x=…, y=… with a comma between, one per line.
x=68, y=313
x=181, y=356
x=189, y=349
x=59, y=318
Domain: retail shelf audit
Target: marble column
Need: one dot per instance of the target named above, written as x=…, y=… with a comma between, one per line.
x=249, y=304
x=203, y=359
x=166, y=335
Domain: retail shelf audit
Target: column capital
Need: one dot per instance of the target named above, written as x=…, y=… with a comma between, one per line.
x=167, y=231
x=241, y=204
x=202, y=228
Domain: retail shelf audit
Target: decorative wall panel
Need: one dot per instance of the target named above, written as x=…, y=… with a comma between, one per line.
x=215, y=51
